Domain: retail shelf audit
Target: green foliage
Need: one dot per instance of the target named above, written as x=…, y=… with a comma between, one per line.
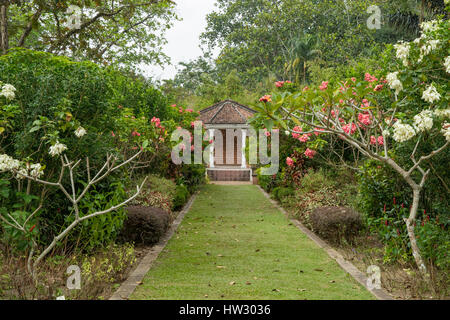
x=104, y=229
x=136, y=93
x=192, y=176
x=280, y=193
x=433, y=238
x=126, y=32
x=181, y=197
x=57, y=89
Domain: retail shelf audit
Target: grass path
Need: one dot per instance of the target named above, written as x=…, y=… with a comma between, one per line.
x=233, y=244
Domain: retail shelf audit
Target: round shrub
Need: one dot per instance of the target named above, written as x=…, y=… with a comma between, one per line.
x=145, y=225
x=336, y=223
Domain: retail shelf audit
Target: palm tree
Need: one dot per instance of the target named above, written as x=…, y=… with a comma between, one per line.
x=299, y=51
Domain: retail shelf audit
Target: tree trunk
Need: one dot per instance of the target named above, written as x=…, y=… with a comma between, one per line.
x=416, y=188
x=411, y=234
x=4, y=38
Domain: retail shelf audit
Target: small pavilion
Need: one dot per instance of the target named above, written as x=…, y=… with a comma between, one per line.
x=228, y=165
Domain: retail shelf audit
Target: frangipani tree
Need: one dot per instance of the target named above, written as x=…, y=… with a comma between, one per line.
x=25, y=179
x=373, y=116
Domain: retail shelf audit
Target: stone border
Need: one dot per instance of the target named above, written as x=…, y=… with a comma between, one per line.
x=135, y=278
x=359, y=276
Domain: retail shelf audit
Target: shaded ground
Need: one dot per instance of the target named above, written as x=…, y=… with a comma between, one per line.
x=233, y=244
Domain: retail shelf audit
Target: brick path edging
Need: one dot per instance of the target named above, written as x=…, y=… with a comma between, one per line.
x=359, y=276
x=135, y=278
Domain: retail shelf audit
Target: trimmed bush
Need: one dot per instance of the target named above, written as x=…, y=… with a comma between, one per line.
x=181, y=197
x=336, y=223
x=145, y=225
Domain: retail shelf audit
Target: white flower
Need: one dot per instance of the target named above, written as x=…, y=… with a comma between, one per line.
x=428, y=47
x=287, y=133
x=446, y=131
x=403, y=132
x=403, y=52
x=430, y=95
x=80, y=132
x=424, y=121
x=8, y=91
x=8, y=164
x=36, y=170
x=21, y=173
x=392, y=76
x=394, y=83
x=57, y=149
x=447, y=64
x=429, y=26
x=444, y=113
x=386, y=133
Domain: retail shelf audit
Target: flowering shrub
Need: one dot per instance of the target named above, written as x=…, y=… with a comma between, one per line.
x=375, y=120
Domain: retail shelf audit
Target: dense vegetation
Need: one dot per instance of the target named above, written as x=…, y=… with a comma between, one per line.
x=362, y=109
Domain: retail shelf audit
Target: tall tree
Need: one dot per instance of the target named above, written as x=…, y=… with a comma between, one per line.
x=105, y=31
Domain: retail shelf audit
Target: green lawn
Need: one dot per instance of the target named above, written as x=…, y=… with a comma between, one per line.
x=233, y=244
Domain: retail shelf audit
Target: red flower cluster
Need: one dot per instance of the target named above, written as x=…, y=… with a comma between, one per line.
x=324, y=85
x=266, y=98
x=370, y=78
x=310, y=153
x=280, y=84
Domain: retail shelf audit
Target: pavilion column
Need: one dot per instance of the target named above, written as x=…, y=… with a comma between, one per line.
x=211, y=149
x=244, y=140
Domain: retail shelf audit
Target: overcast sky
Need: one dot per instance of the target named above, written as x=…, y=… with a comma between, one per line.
x=183, y=37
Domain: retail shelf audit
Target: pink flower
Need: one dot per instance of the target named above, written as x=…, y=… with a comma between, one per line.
x=180, y=110
x=324, y=85
x=135, y=133
x=192, y=124
x=366, y=103
x=174, y=106
x=112, y=134
x=365, y=119
x=378, y=87
x=341, y=101
x=266, y=133
x=353, y=79
x=156, y=121
x=279, y=84
x=310, y=153
x=305, y=89
x=303, y=138
x=373, y=140
x=192, y=148
x=211, y=141
x=179, y=128
x=370, y=78
x=349, y=128
x=266, y=98
x=289, y=161
x=161, y=139
x=189, y=110
x=183, y=147
x=380, y=140
x=296, y=135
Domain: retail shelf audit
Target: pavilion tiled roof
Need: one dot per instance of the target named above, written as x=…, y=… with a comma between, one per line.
x=226, y=112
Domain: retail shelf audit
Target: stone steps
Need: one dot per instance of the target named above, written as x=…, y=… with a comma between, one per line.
x=229, y=174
